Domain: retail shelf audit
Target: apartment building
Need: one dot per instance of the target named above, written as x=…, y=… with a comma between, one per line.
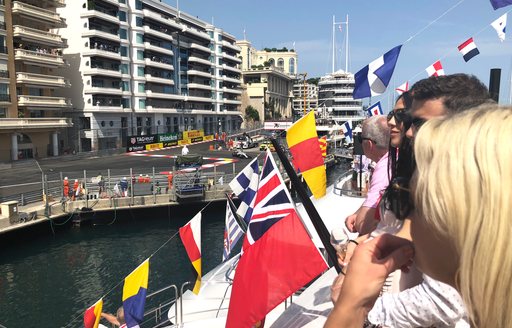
x=141, y=67
x=268, y=81
x=32, y=122
x=305, y=97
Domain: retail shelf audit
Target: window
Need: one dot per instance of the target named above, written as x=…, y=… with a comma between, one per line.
x=219, y=49
x=138, y=5
x=140, y=71
x=124, y=51
x=122, y=16
x=125, y=102
x=139, y=38
x=292, y=65
x=219, y=37
x=142, y=87
x=142, y=103
x=138, y=21
x=123, y=34
x=3, y=112
x=280, y=62
x=140, y=54
x=125, y=85
x=210, y=33
x=124, y=68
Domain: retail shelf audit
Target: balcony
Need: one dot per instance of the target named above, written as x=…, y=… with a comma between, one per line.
x=232, y=58
x=157, y=62
x=199, y=86
x=230, y=79
x=38, y=36
x=41, y=102
x=231, y=46
x=234, y=91
x=157, y=94
x=232, y=101
x=194, y=59
x=231, y=68
x=159, y=33
x=99, y=14
x=156, y=79
x=101, y=34
x=38, y=14
x=4, y=74
x=201, y=48
x=167, y=21
x=38, y=58
x=103, y=52
x=41, y=80
x=103, y=90
x=192, y=72
x=194, y=32
x=101, y=70
x=34, y=123
x=157, y=48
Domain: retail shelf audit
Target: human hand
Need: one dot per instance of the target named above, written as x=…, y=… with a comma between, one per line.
x=336, y=287
x=370, y=265
x=350, y=222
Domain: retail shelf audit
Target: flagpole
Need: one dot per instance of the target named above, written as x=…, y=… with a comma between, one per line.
x=319, y=225
x=238, y=219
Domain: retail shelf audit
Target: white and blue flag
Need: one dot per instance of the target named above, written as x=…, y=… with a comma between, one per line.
x=500, y=25
x=375, y=109
x=347, y=131
x=374, y=78
x=245, y=185
x=232, y=232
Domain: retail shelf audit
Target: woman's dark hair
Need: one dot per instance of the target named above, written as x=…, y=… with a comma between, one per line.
x=401, y=166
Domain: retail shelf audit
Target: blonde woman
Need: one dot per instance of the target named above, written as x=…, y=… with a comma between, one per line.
x=461, y=231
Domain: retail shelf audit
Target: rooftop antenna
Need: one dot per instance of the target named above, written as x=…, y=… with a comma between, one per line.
x=245, y=38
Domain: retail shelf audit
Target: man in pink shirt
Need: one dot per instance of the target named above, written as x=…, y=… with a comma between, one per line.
x=375, y=141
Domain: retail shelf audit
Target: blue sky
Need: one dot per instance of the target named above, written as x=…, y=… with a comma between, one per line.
x=375, y=27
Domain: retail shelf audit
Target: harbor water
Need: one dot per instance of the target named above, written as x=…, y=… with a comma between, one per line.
x=50, y=279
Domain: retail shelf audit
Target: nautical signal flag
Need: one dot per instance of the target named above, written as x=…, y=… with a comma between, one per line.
x=468, y=49
x=232, y=232
x=190, y=235
x=496, y=4
x=347, y=131
x=280, y=259
x=374, y=78
x=244, y=185
x=375, y=109
x=500, y=25
x=323, y=146
x=436, y=69
x=302, y=141
x=134, y=295
x=92, y=315
x=403, y=88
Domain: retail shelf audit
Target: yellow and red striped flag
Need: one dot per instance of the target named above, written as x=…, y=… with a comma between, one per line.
x=92, y=315
x=303, y=142
x=323, y=146
x=190, y=235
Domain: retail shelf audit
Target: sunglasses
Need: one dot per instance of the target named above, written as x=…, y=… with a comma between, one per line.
x=417, y=122
x=401, y=115
x=360, y=139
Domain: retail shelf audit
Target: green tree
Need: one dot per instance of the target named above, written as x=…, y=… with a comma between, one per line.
x=251, y=114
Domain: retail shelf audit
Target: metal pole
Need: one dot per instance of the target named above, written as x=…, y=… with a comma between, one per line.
x=86, y=189
x=153, y=184
x=319, y=225
x=108, y=177
x=61, y=186
x=46, y=207
x=131, y=185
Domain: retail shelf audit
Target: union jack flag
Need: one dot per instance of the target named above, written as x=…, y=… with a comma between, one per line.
x=273, y=202
x=232, y=232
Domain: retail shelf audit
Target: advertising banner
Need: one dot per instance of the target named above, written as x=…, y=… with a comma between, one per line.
x=196, y=139
x=142, y=140
x=168, y=137
x=193, y=134
x=183, y=142
x=170, y=143
x=208, y=138
x=153, y=146
x=130, y=149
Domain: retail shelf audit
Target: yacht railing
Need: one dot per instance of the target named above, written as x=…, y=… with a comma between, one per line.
x=344, y=185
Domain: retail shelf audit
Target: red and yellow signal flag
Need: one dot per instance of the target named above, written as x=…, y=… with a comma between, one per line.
x=323, y=146
x=303, y=142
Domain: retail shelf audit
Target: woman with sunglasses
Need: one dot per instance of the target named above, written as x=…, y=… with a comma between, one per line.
x=461, y=229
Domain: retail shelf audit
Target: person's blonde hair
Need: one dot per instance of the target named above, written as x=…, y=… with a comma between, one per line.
x=463, y=190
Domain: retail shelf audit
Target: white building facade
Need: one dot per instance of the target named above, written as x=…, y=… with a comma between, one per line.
x=140, y=67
